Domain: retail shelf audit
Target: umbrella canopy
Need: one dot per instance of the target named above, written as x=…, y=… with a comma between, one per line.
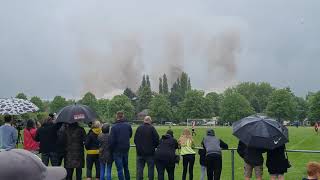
x=14, y=106
x=260, y=132
x=76, y=113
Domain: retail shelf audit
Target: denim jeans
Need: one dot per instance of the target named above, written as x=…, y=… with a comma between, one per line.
x=141, y=161
x=121, y=161
x=52, y=157
x=203, y=172
x=105, y=171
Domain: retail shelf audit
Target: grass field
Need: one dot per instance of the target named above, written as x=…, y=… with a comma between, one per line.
x=300, y=139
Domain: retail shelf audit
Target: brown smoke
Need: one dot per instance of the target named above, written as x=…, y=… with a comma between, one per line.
x=222, y=50
x=103, y=74
x=124, y=63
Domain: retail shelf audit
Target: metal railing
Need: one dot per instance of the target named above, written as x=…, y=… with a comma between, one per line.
x=232, y=150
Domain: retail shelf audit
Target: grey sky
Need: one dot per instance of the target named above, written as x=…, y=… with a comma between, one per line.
x=40, y=41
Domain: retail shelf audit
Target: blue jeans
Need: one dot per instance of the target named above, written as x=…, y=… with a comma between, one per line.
x=105, y=171
x=121, y=161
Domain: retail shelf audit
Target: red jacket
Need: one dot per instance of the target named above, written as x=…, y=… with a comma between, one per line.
x=29, y=143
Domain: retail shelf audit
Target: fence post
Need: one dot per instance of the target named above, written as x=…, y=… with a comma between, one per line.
x=232, y=164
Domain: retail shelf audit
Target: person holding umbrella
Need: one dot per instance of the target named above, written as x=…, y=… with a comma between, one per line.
x=253, y=159
x=277, y=163
x=258, y=134
x=74, y=157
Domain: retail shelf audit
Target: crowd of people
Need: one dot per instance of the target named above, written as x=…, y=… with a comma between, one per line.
x=105, y=145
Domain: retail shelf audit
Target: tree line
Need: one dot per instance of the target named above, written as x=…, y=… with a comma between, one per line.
x=181, y=102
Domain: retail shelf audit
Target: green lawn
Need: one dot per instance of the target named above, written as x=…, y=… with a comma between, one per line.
x=300, y=138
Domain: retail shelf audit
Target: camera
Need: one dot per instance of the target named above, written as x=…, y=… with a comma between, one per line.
x=19, y=124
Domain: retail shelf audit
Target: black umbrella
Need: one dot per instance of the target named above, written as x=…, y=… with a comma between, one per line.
x=260, y=132
x=76, y=113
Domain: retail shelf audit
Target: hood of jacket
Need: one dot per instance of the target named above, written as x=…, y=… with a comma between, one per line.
x=97, y=131
x=210, y=132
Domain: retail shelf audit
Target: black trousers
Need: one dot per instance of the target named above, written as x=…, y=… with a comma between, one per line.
x=214, y=166
x=161, y=167
x=93, y=159
x=188, y=160
x=70, y=173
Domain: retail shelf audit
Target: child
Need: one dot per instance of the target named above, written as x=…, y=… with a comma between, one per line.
x=92, y=146
x=313, y=171
x=202, y=153
x=105, y=153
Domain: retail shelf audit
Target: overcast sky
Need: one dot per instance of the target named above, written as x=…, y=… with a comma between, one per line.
x=40, y=40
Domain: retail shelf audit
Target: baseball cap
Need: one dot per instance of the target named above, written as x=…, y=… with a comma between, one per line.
x=19, y=164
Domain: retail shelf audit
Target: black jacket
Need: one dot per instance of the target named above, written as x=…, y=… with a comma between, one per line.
x=146, y=140
x=91, y=141
x=252, y=156
x=47, y=136
x=276, y=160
x=121, y=132
x=166, y=151
x=202, y=153
x=105, y=150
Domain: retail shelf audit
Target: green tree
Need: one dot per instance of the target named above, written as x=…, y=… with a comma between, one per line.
x=129, y=93
x=214, y=101
x=256, y=93
x=175, y=96
x=160, y=86
x=90, y=100
x=194, y=105
x=57, y=104
x=184, y=83
x=281, y=105
x=38, y=102
x=235, y=107
x=165, y=86
x=103, y=109
x=144, y=98
x=148, y=81
x=302, y=108
x=160, y=108
x=314, y=107
x=189, y=84
x=21, y=96
x=121, y=103
x=144, y=94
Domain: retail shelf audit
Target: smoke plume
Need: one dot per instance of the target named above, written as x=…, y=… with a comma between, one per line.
x=114, y=53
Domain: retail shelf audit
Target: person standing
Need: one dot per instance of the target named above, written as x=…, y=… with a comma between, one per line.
x=105, y=153
x=165, y=155
x=47, y=136
x=74, y=157
x=202, y=160
x=213, y=147
x=253, y=159
x=8, y=134
x=29, y=134
x=121, y=132
x=92, y=147
x=146, y=140
x=188, y=154
x=277, y=163
x=193, y=128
